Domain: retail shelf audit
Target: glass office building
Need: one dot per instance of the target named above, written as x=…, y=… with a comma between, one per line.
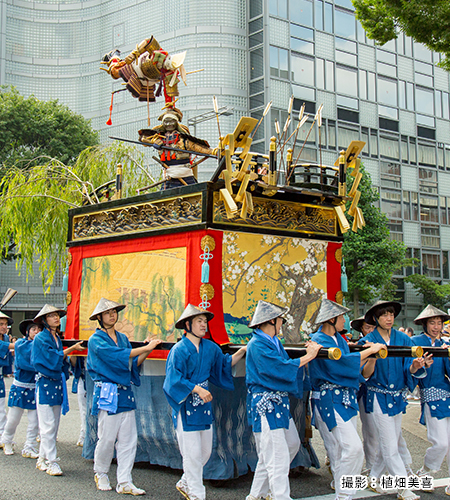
x=393, y=97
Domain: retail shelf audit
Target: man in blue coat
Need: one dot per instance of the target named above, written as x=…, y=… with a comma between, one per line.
x=387, y=383
x=271, y=376
x=193, y=363
x=113, y=365
x=434, y=392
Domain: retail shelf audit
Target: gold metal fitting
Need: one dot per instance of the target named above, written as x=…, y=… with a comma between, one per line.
x=416, y=351
x=334, y=353
x=382, y=353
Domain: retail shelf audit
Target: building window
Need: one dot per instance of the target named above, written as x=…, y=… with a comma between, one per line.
x=424, y=101
x=256, y=63
x=431, y=265
x=389, y=147
x=279, y=62
x=387, y=91
x=428, y=181
x=346, y=81
x=429, y=211
x=426, y=154
x=430, y=236
x=345, y=24
x=302, y=39
x=391, y=203
x=301, y=12
x=302, y=69
x=278, y=8
x=390, y=175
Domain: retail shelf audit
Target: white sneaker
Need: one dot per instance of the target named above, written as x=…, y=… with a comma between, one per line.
x=80, y=442
x=407, y=495
x=129, y=489
x=30, y=453
x=41, y=464
x=54, y=469
x=102, y=482
x=8, y=448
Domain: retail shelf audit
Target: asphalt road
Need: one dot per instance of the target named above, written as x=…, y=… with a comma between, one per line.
x=20, y=480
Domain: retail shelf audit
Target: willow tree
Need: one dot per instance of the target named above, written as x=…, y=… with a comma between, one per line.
x=34, y=201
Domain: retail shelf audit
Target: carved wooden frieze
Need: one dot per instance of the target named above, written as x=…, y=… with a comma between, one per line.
x=137, y=218
x=282, y=215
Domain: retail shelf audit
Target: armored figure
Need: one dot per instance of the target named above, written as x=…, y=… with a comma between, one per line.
x=145, y=67
x=177, y=164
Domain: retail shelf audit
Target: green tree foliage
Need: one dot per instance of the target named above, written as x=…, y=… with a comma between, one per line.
x=35, y=201
x=426, y=21
x=32, y=128
x=370, y=256
x=433, y=293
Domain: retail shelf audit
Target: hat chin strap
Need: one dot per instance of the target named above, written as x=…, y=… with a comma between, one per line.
x=332, y=323
x=188, y=329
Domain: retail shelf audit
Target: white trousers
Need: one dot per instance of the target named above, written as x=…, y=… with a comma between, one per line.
x=438, y=433
x=2, y=415
x=344, y=448
x=14, y=415
x=195, y=448
x=117, y=431
x=276, y=449
x=370, y=439
x=389, y=431
x=49, y=417
x=82, y=406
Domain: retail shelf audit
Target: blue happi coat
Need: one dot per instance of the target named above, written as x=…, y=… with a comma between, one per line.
x=335, y=382
x=391, y=378
x=270, y=376
x=22, y=393
x=435, y=387
x=111, y=362
x=47, y=358
x=79, y=374
x=185, y=368
x=5, y=361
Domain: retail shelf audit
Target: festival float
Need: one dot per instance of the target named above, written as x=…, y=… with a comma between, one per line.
x=265, y=226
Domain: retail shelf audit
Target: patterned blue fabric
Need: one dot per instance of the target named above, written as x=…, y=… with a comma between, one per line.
x=185, y=368
x=270, y=376
x=233, y=444
x=437, y=378
x=22, y=397
x=110, y=362
x=335, y=382
x=390, y=378
x=49, y=391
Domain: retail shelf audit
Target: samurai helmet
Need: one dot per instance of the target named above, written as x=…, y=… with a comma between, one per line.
x=357, y=324
x=329, y=310
x=25, y=325
x=169, y=110
x=48, y=309
x=8, y=318
x=189, y=313
x=265, y=311
x=368, y=317
x=105, y=305
x=430, y=312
